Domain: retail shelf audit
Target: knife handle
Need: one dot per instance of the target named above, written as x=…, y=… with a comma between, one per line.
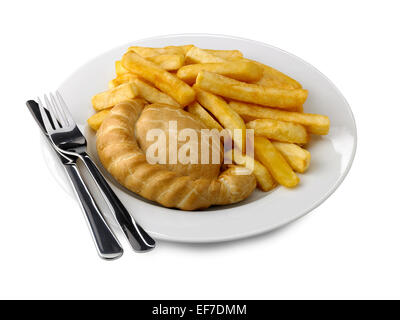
x=106, y=243
x=139, y=239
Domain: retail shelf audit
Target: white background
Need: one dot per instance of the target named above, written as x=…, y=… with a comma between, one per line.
x=347, y=248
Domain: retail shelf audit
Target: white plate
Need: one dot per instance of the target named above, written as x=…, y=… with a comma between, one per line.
x=331, y=155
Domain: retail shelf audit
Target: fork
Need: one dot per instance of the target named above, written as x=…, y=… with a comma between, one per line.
x=68, y=139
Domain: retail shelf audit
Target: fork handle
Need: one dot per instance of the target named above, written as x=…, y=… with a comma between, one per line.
x=139, y=239
x=107, y=245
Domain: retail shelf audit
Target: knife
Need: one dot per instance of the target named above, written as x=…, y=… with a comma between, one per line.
x=106, y=243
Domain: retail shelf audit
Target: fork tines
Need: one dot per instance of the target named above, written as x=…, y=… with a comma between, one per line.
x=58, y=115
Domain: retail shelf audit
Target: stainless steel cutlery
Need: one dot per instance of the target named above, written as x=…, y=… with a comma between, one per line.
x=106, y=243
x=66, y=138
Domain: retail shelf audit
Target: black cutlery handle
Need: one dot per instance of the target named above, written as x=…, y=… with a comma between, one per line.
x=107, y=245
x=137, y=237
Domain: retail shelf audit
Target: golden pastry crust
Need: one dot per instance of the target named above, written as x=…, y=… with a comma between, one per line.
x=121, y=155
x=171, y=121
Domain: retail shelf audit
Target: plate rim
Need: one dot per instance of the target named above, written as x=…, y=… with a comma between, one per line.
x=278, y=225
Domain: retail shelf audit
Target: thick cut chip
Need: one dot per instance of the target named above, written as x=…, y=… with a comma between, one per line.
x=297, y=157
x=146, y=91
x=279, y=130
x=253, y=93
x=274, y=78
x=197, y=55
x=124, y=78
x=153, y=95
x=201, y=114
x=227, y=117
x=114, y=96
x=265, y=181
x=239, y=70
x=169, y=62
x=119, y=69
x=226, y=54
x=185, y=48
x=270, y=157
x=314, y=123
x=97, y=119
x=146, y=52
x=160, y=78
